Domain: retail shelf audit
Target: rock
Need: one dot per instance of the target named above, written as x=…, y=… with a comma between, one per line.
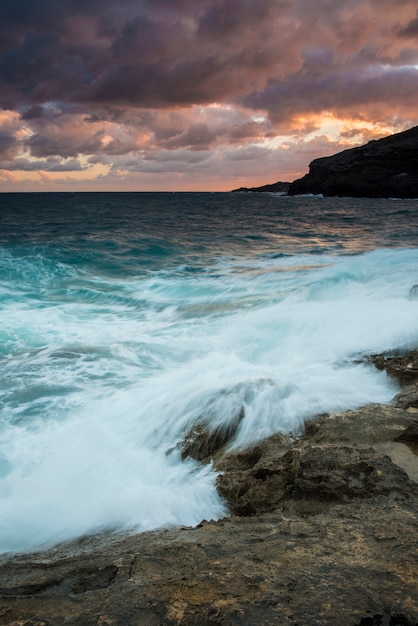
x=279, y=187
x=279, y=568
x=323, y=532
x=382, y=168
x=201, y=443
x=336, y=460
x=410, y=434
x=408, y=397
x=403, y=367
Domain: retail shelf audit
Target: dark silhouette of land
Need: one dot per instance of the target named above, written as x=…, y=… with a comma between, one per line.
x=382, y=168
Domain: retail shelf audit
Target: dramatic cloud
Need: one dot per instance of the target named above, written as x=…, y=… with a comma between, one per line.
x=160, y=93
x=410, y=29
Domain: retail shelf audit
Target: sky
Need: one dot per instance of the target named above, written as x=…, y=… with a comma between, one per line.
x=196, y=95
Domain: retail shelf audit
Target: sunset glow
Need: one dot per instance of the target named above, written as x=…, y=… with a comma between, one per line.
x=174, y=95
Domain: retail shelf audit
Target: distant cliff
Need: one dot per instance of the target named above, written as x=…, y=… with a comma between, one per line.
x=383, y=168
x=279, y=187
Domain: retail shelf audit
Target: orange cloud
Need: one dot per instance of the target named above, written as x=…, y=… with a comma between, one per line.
x=171, y=89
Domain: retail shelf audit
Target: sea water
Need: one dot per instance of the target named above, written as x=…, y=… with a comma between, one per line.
x=127, y=318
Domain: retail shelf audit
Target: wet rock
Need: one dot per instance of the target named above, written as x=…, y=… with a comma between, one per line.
x=201, y=443
x=403, y=367
x=323, y=532
x=410, y=435
x=329, y=463
x=408, y=397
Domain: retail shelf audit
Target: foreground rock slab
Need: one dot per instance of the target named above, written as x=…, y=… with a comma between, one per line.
x=324, y=530
x=276, y=569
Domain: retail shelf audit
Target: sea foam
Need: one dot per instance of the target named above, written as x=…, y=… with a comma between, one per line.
x=102, y=378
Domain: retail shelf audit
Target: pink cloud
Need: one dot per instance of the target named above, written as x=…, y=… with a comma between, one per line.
x=131, y=86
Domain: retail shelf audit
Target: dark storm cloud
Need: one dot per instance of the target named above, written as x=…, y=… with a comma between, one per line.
x=8, y=145
x=142, y=54
x=411, y=29
x=42, y=69
x=20, y=16
x=161, y=54
x=47, y=165
x=33, y=112
x=103, y=79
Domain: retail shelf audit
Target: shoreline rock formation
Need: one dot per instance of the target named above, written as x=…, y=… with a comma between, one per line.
x=323, y=531
x=279, y=187
x=383, y=168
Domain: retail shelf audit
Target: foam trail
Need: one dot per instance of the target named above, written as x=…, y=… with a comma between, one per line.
x=103, y=378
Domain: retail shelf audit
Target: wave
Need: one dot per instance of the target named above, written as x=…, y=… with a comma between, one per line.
x=103, y=376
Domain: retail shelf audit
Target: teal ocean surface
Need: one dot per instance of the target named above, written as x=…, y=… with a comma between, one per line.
x=127, y=318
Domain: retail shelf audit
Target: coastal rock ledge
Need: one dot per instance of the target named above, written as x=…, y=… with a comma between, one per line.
x=323, y=531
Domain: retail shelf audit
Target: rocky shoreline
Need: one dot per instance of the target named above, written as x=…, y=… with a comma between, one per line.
x=383, y=168
x=323, y=531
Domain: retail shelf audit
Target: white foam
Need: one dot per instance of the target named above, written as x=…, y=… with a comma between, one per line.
x=98, y=395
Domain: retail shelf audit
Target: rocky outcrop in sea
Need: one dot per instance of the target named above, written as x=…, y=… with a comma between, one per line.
x=323, y=530
x=278, y=187
x=383, y=168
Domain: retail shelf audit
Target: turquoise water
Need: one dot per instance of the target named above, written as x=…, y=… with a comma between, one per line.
x=127, y=318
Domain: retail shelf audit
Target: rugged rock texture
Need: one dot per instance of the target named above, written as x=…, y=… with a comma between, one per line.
x=384, y=168
x=338, y=460
x=403, y=367
x=323, y=531
x=202, y=444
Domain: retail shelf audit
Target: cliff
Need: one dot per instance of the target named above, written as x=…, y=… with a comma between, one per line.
x=382, y=168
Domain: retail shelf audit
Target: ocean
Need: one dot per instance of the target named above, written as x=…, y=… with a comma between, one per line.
x=127, y=318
